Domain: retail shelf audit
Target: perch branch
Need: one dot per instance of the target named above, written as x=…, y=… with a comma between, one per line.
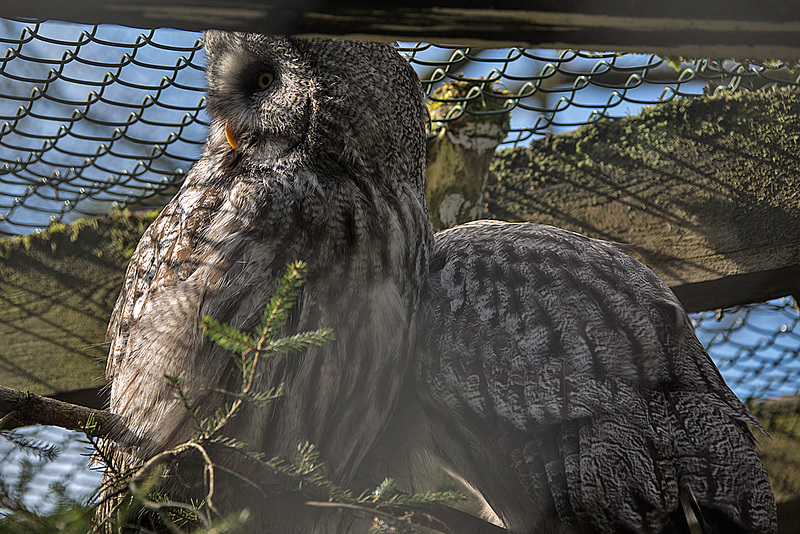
x=22, y=408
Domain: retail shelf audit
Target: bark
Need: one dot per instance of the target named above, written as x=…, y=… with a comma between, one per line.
x=18, y=408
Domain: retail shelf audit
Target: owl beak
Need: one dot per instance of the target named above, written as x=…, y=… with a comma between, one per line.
x=229, y=135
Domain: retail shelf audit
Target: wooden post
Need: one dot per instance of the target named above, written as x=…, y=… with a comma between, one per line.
x=460, y=154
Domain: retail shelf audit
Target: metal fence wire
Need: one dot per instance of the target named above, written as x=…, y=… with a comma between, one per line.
x=95, y=117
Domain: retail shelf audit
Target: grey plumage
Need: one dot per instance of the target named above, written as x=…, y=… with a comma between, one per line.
x=576, y=370
x=320, y=175
x=555, y=374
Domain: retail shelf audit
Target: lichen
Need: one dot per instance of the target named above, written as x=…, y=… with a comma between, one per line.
x=471, y=101
x=701, y=187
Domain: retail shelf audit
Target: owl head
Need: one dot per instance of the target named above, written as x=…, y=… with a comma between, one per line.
x=330, y=104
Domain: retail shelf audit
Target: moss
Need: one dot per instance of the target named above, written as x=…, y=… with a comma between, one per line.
x=57, y=289
x=51, y=236
x=693, y=184
x=780, y=452
x=479, y=98
x=126, y=229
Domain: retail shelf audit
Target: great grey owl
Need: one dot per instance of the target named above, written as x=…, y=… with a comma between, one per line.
x=557, y=376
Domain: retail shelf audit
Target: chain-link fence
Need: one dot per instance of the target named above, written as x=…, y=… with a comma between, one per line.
x=755, y=347
x=101, y=116
x=94, y=116
x=40, y=482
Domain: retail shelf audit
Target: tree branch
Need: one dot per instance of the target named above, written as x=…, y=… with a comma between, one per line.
x=22, y=408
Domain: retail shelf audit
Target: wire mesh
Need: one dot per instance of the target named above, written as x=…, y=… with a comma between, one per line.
x=755, y=347
x=100, y=116
x=40, y=484
x=555, y=91
x=93, y=117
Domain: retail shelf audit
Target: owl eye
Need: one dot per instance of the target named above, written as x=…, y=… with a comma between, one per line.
x=264, y=80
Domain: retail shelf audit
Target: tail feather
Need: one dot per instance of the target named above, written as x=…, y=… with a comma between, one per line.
x=692, y=513
x=723, y=483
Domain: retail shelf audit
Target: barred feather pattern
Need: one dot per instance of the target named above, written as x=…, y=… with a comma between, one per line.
x=574, y=393
x=321, y=173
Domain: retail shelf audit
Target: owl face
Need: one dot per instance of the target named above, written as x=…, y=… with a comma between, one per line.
x=259, y=93
x=337, y=107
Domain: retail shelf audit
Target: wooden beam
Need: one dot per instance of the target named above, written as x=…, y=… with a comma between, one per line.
x=704, y=191
x=57, y=290
x=715, y=28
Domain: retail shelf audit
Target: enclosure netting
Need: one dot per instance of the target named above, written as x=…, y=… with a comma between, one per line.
x=96, y=117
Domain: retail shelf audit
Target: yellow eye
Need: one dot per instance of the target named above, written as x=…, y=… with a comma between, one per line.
x=264, y=80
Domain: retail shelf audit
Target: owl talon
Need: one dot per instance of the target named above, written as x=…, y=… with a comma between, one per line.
x=229, y=136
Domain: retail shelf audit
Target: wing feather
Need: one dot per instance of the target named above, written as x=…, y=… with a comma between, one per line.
x=166, y=253
x=578, y=364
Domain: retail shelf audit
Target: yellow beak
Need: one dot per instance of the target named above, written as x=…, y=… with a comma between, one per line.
x=229, y=136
